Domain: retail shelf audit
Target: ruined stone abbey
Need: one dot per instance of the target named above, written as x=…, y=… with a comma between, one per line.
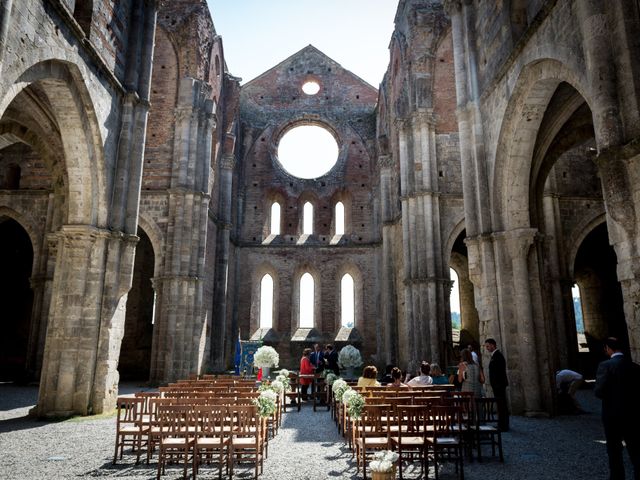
x=144, y=210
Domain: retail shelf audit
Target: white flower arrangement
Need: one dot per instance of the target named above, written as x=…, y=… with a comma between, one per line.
x=266, y=403
x=284, y=379
x=347, y=395
x=383, y=461
x=283, y=373
x=267, y=357
x=355, y=405
x=277, y=386
x=339, y=387
x=331, y=378
x=349, y=357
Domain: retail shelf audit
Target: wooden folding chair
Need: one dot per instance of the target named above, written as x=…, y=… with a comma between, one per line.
x=445, y=442
x=486, y=427
x=177, y=435
x=371, y=432
x=212, y=435
x=293, y=397
x=247, y=439
x=129, y=426
x=409, y=436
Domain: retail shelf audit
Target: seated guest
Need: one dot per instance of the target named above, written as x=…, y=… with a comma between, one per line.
x=386, y=379
x=368, y=378
x=423, y=378
x=437, y=376
x=396, y=375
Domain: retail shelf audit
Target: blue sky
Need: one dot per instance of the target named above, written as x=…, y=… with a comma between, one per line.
x=259, y=34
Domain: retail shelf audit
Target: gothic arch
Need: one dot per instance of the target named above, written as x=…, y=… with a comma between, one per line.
x=300, y=270
x=72, y=107
x=260, y=271
x=459, y=227
x=27, y=226
x=358, y=314
x=519, y=130
x=580, y=233
x=156, y=236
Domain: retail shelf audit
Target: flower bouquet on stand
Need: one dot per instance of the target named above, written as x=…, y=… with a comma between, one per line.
x=383, y=465
x=283, y=377
x=349, y=358
x=266, y=358
x=354, y=402
x=339, y=387
x=266, y=403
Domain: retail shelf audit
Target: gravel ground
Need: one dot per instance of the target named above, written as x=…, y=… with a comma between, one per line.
x=307, y=447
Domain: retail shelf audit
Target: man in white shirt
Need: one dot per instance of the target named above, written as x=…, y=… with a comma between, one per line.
x=568, y=382
x=423, y=378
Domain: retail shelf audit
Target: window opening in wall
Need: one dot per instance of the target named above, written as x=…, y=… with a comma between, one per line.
x=266, y=301
x=311, y=87
x=306, y=301
x=339, y=218
x=307, y=221
x=347, y=296
x=275, y=219
x=577, y=310
x=454, y=303
x=308, y=151
x=12, y=177
x=153, y=310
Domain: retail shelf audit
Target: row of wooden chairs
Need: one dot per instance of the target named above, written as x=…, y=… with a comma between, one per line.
x=181, y=429
x=417, y=427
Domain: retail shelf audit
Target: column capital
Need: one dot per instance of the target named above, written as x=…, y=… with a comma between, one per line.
x=452, y=7
x=423, y=116
x=385, y=161
x=401, y=123
x=518, y=241
x=228, y=161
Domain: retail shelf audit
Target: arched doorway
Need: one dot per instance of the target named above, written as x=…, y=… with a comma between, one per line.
x=135, y=351
x=463, y=312
x=16, y=298
x=600, y=295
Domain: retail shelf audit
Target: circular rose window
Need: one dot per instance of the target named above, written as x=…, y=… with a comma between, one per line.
x=311, y=87
x=308, y=151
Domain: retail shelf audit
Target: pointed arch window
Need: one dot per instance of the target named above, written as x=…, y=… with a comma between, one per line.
x=307, y=219
x=266, y=301
x=275, y=219
x=339, y=218
x=347, y=301
x=306, y=301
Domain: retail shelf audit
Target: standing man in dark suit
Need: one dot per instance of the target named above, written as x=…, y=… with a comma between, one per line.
x=331, y=359
x=317, y=358
x=499, y=382
x=617, y=384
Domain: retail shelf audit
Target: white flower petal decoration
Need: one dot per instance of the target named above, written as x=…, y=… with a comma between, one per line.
x=266, y=356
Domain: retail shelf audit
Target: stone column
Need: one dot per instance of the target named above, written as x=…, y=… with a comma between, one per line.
x=519, y=243
x=618, y=168
x=389, y=349
x=219, y=331
x=558, y=290
x=180, y=327
x=74, y=326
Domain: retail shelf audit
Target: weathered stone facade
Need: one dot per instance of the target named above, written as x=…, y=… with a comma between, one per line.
x=502, y=143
